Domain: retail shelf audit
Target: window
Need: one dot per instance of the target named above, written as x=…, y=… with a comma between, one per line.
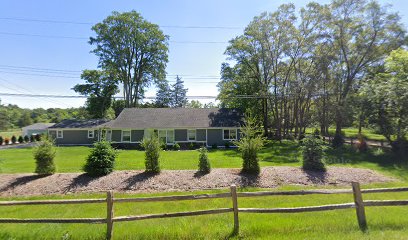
x=191, y=135
x=166, y=136
x=91, y=134
x=108, y=135
x=125, y=136
x=60, y=134
x=230, y=134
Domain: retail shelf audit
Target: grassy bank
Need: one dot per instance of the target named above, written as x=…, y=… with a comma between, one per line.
x=383, y=223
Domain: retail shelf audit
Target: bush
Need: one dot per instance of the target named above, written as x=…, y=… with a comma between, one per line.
x=338, y=140
x=191, y=146
x=13, y=139
x=152, y=153
x=214, y=146
x=101, y=160
x=312, y=150
x=38, y=137
x=249, y=145
x=316, y=133
x=176, y=147
x=227, y=145
x=6, y=141
x=44, y=155
x=361, y=144
x=203, y=161
x=26, y=139
x=32, y=138
x=1, y=140
x=21, y=139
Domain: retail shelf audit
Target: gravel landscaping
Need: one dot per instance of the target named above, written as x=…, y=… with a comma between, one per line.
x=180, y=180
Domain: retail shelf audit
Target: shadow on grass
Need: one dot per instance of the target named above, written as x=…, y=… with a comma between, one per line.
x=21, y=181
x=138, y=178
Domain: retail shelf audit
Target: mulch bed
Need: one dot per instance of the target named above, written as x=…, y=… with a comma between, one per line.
x=180, y=180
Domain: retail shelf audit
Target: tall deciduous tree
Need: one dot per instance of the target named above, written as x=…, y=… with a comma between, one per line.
x=100, y=88
x=363, y=33
x=132, y=49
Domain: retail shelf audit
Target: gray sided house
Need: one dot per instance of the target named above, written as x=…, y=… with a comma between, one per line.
x=76, y=132
x=36, y=128
x=173, y=125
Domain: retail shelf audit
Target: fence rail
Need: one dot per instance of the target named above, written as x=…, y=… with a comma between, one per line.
x=110, y=219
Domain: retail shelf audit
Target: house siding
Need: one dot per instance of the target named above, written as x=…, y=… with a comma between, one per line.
x=180, y=135
x=137, y=135
x=116, y=135
x=73, y=137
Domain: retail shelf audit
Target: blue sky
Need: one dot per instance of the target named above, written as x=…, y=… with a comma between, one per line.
x=42, y=49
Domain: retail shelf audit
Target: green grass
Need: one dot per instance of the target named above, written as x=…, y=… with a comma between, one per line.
x=10, y=133
x=286, y=153
x=383, y=223
x=353, y=133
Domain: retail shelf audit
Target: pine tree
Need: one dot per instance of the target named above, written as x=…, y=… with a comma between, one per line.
x=178, y=94
x=163, y=95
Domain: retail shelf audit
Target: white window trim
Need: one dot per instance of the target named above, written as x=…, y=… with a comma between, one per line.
x=195, y=135
x=165, y=130
x=93, y=133
x=62, y=134
x=130, y=136
x=229, y=129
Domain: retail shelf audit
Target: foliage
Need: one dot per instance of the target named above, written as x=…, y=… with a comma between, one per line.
x=178, y=94
x=133, y=50
x=44, y=155
x=6, y=141
x=101, y=160
x=152, y=148
x=312, y=150
x=13, y=139
x=38, y=137
x=203, y=161
x=1, y=140
x=100, y=86
x=176, y=147
x=227, y=145
x=32, y=138
x=20, y=139
x=163, y=95
x=338, y=140
x=214, y=146
x=191, y=146
x=26, y=139
x=249, y=145
x=118, y=106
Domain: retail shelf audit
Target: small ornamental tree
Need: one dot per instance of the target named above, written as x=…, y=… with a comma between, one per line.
x=1, y=140
x=152, y=148
x=26, y=139
x=32, y=138
x=101, y=160
x=13, y=139
x=203, y=161
x=6, y=141
x=44, y=155
x=20, y=139
x=38, y=137
x=312, y=149
x=250, y=143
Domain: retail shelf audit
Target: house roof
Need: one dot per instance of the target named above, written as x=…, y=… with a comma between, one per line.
x=38, y=126
x=73, y=123
x=141, y=118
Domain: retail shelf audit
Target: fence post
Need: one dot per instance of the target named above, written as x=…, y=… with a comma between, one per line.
x=109, y=216
x=235, y=207
x=358, y=201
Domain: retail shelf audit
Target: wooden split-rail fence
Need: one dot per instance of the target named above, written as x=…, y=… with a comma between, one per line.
x=359, y=204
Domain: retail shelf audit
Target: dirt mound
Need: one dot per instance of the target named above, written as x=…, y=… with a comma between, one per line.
x=180, y=180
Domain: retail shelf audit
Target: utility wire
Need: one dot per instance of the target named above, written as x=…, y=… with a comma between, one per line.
x=90, y=23
x=85, y=38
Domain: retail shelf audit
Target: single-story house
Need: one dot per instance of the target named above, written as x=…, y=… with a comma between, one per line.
x=36, y=128
x=212, y=126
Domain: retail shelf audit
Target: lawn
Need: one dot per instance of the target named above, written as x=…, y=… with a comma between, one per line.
x=383, y=223
x=10, y=133
x=71, y=159
x=353, y=133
